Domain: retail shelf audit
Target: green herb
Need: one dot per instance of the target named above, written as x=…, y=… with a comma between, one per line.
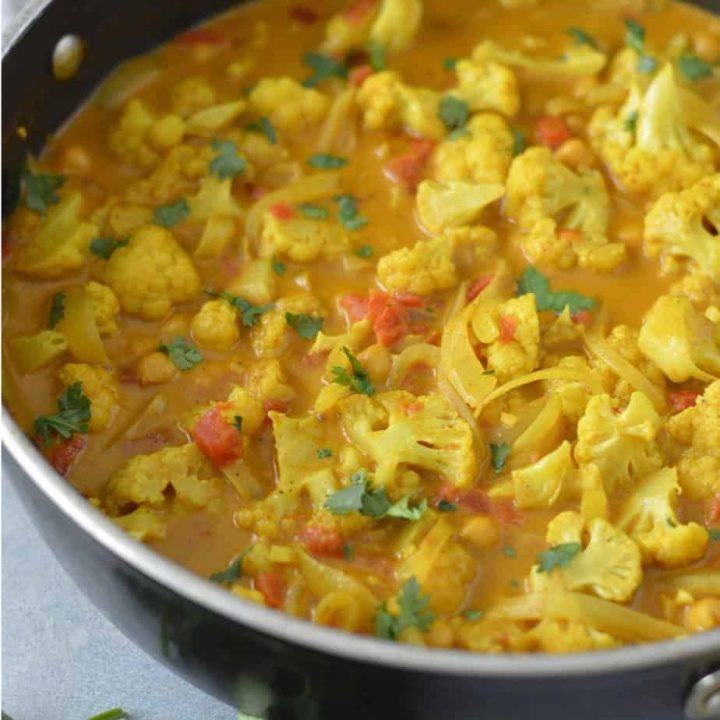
x=581, y=37
x=449, y=64
x=488, y=372
x=510, y=552
x=358, y=380
x=115, y=714
x=73, y=416
x=314, y=212
x=183, y=355
x=264, y=126
x=694, y=68
x=227, y=163
x=446, y=506
x=348, y=212
x=412, y=606
x=323, y=67
x=234, y=570
x=401, y=509
x=57, y=309
x=40, y=189
x=714, y=534
x=631, y=122
x=364, y=251
x=671, y=522
x=238, y=423
x=498, y=456
x=347, y=500
x=306, y=326
x=172, y=213
x=473, y=614
x=459, y=133
x=323, y=453
x=326, y=161
x=519, y=142
x=647, y=64
x=454, y=112
x=515, y=583
x=558, y=556
x=634, y=35
x=250, y=313
x=278, y=267
x=378, y=56
x=104, y=247
x=533, y=281
x=347, y=551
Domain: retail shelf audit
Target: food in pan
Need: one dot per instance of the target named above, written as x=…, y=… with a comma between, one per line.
x=400, y=317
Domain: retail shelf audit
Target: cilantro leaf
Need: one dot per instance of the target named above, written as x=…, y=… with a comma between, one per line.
x=714, y=534
x=401, y=509
x=348, y=212
x=377, y=53
x=73, y=416
x=446, y=506
x=250, y=313
x=634, y=35
x=581, y=37
x=347, y=500
x=358, y=380
x=454, y=112
x=647, y=64
x=458, y=133
x=326, y=161
x=533, y=281
x=519, y=142
x=347, y=551
x=306, y=326
x=183, y=355
x=412, y=612
x=57, y=309
x=323, y=67
x=113, y=714
x=498, y=456
x=694, y=68
x=472, y=614
x=631, y=121
x=40, y=189
x=234, y=569
x=104, y=247
x=314, y=212
x=364, y=251
x=264, y=126
x=278, y=267
x=227, y=163
x=510, y=552
x=172, y=213
x=323, y=453
x=238, y=423
x=449, y=64
x=558, y=556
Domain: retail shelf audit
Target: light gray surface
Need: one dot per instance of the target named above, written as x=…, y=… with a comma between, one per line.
x=61, y=660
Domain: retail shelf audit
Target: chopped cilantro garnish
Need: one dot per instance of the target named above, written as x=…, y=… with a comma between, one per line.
x=314, y=212
x=114, y=714
x=250, y=313
x=234, y=569
x=364, y=251
x=348, y=212
x=412, y=607
x=73, y=416
x=306, y=326
x=647, y=64
x=172, y=213
x=347, y=551
x=515, y=583
x=473, y=614
x=714, y=534
x=459, y=133
x=449, y=64
x=323, y=453
x=631, y=122
x=378, y=56
x=694, y=68
x=510, y=552
x=634, y=35
x=446, y=506
x=581, y=37
x=323, y=67
x=326, y=161
x=358, y=380
x=558, y=556
x=671, y=522
x=498, y=456
x=533, y=281
x=238, y=423
x=57, y=309
x=104, y=247
x=227, y=163
x=264, y=126
x=40, y=189
x=519, y=142
x=454, y=112
x=347, y=500
x=183, y=355
x=278, y=267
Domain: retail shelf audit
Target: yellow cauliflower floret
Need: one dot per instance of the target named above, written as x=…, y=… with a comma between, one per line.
x=269, y=336
x=267, y=382
x=649, y=515
x=155, y=368
x=606, y=563
x=241, y=402
x=487, y=86
x=621, y=444
x=151, y=273
x=453, y=204
x=398, y=430
x=287, y=104
x=191, y=95
x=563, y=214
x=105, y=306
x=699, y=288
x=99, y=386
x=60, y=244
x=215, y=325
x=423, y=269
x=302, y=240
x=557, y=636
x=482, y=156
x=388, y=103
x=143, y=524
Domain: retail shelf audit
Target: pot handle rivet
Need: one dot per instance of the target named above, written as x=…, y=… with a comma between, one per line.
x=703, y=699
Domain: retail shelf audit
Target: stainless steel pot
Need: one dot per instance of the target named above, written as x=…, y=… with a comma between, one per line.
x=261, y=661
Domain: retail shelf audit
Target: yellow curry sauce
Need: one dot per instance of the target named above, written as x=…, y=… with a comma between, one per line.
x=401, y=317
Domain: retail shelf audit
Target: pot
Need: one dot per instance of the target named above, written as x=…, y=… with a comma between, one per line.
x=263, y=662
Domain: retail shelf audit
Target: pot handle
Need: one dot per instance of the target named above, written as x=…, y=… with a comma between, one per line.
x=703, y=699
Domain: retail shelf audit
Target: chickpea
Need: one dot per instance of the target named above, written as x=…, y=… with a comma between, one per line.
x=156, y=368
x=703, y=615
x=482, y=532
x=707, y=45
x=167, y=132
x=377, y=361
x=576, y=154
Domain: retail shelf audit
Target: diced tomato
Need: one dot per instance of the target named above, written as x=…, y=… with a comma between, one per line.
x=552, y=131
x=281, y=406
x=476, y=500
x=255, y=191
x=304, y=15
x=433, y=337
x=389, y=317
x=682, y=399
x=412, y=408
x=409, y=300
x=478, y=286
x=506, y=512
x=320, y=540
x=508, y=328
x=359, y=10
x=448, y=492
x=64, y=454
x=479, y=351
x=422, y=148
x=281, y=210
x=570, y=235
x=217, y=439
x=203, y=36
x=713, y=514
x=377, y=302
x=360, y=74
x=272, y=587
x=582, y=317
x=407, y=169
x=418, y=328
x=355, y=305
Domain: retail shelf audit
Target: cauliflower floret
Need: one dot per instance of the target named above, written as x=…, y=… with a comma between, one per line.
x=540, y=191
x=657, y=151
x=556, y=636
x=287, y=104
x=573, y=395
x=686, y=224
x=215, y=325
x=649, y=515
x=680, y=341
x=61, y=243
x=268, y=383
x=397, y=429
x=105, y=306
x=622, y=445
x=242, y=403
x=302, y=240
x=389, y=104
x=151, y=273
x=482, y=156
x=487, y=86
x=269, y=336
x=213, y=199
x=99, y=386
x=143, y=524
x=444, y=205
x=699, y=288
x=607, y=563
x=191, y=95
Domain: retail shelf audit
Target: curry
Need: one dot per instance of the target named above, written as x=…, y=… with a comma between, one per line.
x=401, y=317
